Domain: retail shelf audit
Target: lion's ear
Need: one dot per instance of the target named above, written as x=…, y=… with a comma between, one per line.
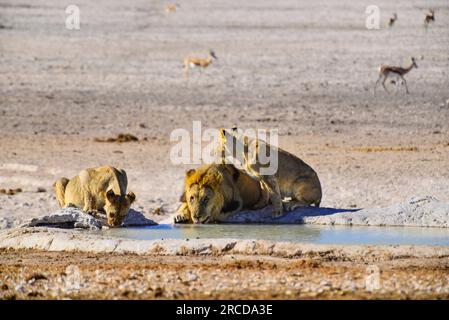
x=131, y=197
x=110, y=195
x=190, y=172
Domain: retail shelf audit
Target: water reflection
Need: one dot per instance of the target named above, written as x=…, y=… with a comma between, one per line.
x=244, y=231
x=291, y=233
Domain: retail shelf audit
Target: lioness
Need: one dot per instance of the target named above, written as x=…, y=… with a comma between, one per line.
x=293, y=179
x=214, y=192
x=97, y=189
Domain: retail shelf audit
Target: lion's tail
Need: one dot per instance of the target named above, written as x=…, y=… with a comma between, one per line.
x=60, y=186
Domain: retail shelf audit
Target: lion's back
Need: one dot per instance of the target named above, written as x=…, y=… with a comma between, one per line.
x=95, y=181
x=104, y=178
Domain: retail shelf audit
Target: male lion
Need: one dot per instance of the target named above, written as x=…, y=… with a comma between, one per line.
x=97, y=189
x=293, y=178
x=214, y=192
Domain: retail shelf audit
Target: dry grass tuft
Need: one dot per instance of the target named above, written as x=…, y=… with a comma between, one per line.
x=121, y=137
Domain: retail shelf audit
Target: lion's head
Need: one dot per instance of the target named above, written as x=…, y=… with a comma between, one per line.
x=202, y=193
x=117, y=206
x=210, y=191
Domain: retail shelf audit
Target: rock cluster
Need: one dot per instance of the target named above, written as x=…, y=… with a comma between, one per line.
x=70, y=218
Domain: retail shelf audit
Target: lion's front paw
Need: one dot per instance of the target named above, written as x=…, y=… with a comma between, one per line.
x=290, y=206
x=180, y=219
x=92, y=212
x=277, y=212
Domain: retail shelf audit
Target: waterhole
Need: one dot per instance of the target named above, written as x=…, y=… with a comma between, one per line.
x=291, y=233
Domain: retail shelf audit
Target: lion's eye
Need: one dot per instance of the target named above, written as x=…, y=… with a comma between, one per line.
x=192, y=198
x=205, y=200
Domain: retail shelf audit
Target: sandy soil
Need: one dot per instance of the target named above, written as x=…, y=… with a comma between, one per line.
x=49, y=275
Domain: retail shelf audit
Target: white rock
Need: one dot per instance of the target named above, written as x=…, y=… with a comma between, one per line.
x=72, y=217
x=135, y=218
x=67, y=218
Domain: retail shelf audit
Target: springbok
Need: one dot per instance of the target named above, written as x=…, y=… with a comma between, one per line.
x=392, y=20
x=394, y=74
x=201, y=63
x=430, y=17
x=172, y=7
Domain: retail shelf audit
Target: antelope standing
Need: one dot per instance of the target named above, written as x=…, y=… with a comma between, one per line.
x=201, y=63
x=394, y=74
x=172, y=7
x=392, y=20
x=430, y=17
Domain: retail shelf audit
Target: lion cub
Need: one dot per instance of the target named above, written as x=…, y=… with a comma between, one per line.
x=214, y=192
x=97, y=189
x=293, y=178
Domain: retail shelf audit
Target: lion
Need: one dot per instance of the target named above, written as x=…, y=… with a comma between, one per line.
x=97, y=189
x=293, y=178
x=214, y=192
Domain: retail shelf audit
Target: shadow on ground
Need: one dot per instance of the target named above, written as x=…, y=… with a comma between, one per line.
x=298, y=216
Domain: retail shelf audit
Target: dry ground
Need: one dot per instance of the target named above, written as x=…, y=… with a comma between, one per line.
x=44, y=275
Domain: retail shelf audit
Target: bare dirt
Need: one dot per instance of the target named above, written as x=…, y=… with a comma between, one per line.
x=49, y=275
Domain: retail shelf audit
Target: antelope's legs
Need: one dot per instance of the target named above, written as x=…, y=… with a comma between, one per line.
x=405, y=82
x=377, y=82
x=383, y=84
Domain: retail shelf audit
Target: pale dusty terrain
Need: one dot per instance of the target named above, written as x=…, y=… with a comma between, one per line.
x=306, y=69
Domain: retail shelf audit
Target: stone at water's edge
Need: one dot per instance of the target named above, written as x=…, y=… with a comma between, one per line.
x=417, y=211
x=137, y=219
x=67, y=218
x=71, y=217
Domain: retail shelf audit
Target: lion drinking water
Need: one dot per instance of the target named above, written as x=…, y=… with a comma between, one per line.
x=97, y=189
x=214, y=192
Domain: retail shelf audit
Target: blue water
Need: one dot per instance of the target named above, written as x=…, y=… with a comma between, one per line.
x=291, y=233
